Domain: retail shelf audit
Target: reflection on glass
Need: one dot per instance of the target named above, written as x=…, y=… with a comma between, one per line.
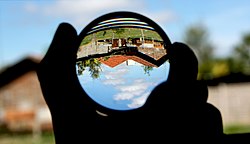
x=120, y=61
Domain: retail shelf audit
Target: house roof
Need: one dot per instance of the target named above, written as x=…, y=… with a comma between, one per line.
x=118, y=59
x=118, y=56
x=114, y=60
x=142, y=61
x=16, y=70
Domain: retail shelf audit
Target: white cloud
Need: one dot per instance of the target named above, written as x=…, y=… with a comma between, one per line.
x=128, y=95
x=136, y=86
x=162, y=17
x=115, y=77
x=31, y=8
x=139, y=101
x=128, y=92
x=81, y=12
x=113, y=81
x=123, y=96
x=116, y=74
x=86, y=7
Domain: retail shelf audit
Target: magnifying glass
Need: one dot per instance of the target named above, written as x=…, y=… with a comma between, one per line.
x=122, y=57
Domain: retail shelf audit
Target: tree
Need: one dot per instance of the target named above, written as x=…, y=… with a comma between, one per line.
x=118, y=32
x=197, y=38
x=147, y=69
x=241, y=55
x=94, y=67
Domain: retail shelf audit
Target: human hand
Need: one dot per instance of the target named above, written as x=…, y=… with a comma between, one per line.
x=180, y=103
x=177, y=106
x=70, y=110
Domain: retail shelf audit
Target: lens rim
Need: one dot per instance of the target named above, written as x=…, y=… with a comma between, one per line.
x=158, y=29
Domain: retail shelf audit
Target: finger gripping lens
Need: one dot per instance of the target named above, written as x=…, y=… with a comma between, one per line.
x=121, y=58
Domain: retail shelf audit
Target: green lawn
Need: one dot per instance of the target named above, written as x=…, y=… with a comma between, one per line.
x=122, y=33
x=232, y=129
x=46, y=138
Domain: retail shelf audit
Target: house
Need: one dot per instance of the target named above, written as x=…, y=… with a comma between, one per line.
x=22, y=107
x=151, y=47
x=231, y=95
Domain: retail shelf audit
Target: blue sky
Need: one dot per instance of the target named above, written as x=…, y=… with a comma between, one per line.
x=27, y=27
x=123, y=87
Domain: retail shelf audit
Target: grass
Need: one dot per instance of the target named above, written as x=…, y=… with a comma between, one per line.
x=46, y=138
x=122, y=33
x=237, y=128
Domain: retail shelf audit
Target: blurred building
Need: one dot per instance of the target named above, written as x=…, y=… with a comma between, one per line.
x=22, y=107
x=231, y=95
x=233, y=100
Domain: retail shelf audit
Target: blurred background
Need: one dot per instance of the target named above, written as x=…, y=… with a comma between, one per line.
x=218, y=32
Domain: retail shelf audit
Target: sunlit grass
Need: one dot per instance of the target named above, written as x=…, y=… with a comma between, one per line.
x=236, y=128
x=48, y=137
x=125, y=33
x=45, y=138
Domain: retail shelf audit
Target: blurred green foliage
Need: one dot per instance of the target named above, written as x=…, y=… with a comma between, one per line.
x=210, y=66
x=94, y=67
x=241, y=55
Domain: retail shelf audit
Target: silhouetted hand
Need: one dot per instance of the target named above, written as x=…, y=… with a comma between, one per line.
x=176, y=109
x=180, y=106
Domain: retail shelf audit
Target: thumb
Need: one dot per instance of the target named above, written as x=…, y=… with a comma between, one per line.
x=56, y=68
x=183, y=63
x=63, y=45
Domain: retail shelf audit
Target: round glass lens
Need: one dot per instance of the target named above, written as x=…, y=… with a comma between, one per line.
x=121, y=59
